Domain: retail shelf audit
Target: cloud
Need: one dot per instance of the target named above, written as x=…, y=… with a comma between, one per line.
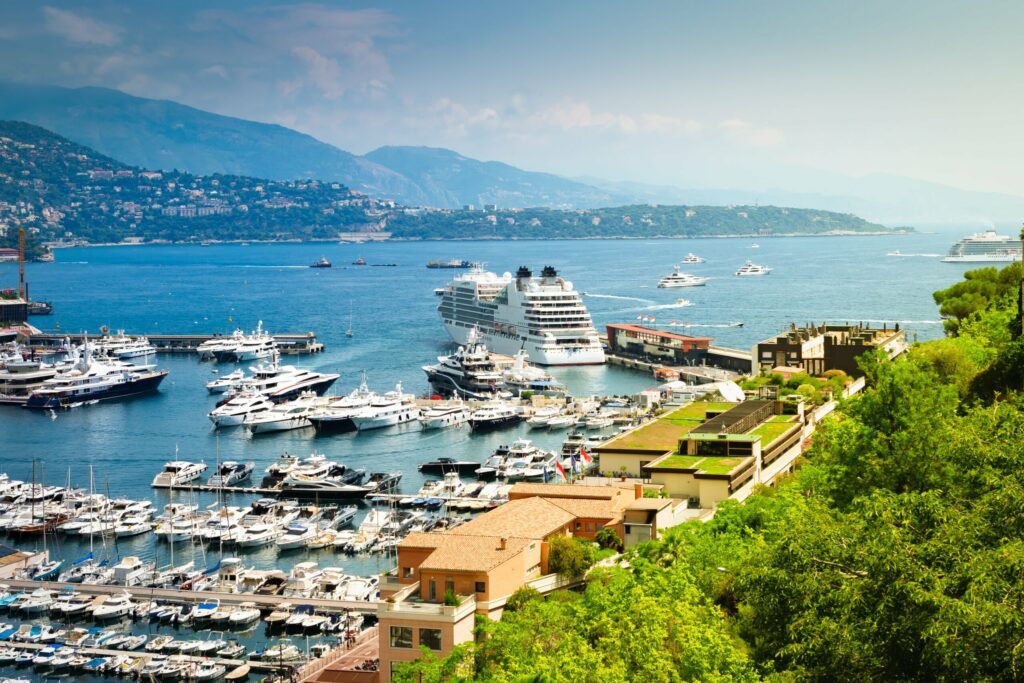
x=80, y=29
x=748, y=133
x=574, y=115
x=324, y=72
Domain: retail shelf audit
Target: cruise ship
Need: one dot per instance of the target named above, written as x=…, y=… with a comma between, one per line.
x=985, y=247
x=542, y=315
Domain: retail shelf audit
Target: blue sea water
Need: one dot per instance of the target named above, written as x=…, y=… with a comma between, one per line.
x=396, y=330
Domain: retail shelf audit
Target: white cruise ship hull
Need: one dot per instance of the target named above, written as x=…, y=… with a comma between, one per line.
x=983, y=258
x=541, y=354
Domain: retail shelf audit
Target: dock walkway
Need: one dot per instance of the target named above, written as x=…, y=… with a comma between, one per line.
x=264, y=602
x=287, y=344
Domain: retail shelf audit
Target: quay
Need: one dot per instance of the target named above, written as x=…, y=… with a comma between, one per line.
x=229, y=664
x=287, y=344
x=263, y=602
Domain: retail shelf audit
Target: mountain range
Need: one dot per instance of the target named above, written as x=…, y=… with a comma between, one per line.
x=161, y=134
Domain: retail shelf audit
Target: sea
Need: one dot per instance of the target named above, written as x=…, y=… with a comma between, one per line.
x=391, y=307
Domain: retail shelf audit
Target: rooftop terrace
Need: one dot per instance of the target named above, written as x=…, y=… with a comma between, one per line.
x=663, y=434
x=699, y=463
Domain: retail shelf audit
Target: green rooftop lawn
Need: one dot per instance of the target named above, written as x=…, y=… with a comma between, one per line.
x=664, y=433
x=771, y=430
x=708, y=464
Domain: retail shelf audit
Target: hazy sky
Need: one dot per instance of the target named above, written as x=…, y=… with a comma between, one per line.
x=709, y=93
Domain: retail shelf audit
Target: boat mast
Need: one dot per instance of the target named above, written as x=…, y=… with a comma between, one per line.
x=21, y=264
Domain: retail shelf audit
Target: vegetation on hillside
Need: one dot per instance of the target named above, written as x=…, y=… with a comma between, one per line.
x=61, y=190
x=896, y=552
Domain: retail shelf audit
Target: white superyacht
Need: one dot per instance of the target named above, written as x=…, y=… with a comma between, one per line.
x=543, y=315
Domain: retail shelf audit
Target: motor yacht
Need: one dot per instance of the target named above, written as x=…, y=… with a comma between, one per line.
x=90, y=380
x=338, y=416
x=231, y=472
x=521, y=376
x=541, y=417
x=283, y=382
x=680, y=279
x=296, y=535
x=494, y=416
x=443, y=416
x=469, y=372
x=246, y=404
x=750, y=268
x=208, y=349
x=225, y=382
x=114, y=607
x=123, y=347
x=393, y=408
x=288, y=415
x=691, y=259
x=178, y=473
x=245, y=348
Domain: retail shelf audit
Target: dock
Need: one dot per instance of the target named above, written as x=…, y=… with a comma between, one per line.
x=174, y=595
x=287, y=344
x=229, y=664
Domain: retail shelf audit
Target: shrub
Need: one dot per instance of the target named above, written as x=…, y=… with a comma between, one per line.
x=450, y=598
x=607, y=538
x=521, y=597
x=570, y=557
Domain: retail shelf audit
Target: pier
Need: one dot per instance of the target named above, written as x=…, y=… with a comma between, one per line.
x=287, y=344
x=255, y=665
x=263, y=602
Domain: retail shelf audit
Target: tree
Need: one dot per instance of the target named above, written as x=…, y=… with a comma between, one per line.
x=569, y=556
x=607, y=538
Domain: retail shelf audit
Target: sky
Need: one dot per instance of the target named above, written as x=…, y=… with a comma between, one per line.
x=685, y=93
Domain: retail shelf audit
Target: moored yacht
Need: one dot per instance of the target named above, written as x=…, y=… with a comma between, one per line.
x=123, y=347
x=255, y=346
x=494, y=416
x=178, y=472
x=238, y=408
x=391, y=409
x=282, y=382
x=337, y=417
x=470, y=371
x=19, y=379
x=231, y=472
x=288, y=415
x=90, y=381
x=442, y=416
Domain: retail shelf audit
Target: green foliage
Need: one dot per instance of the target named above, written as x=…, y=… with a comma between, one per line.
x=980, y=290
x=569, y=556
x=450, y=598
x=520, y=597
x=607, y=538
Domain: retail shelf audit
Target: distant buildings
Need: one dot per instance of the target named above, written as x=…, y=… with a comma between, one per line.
x=669, y=348
x=817, y=349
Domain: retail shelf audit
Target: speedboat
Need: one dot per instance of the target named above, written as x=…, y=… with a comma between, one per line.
x=231, y=472
x=750, y=268
x=246, y=613
x=205, y=609
x=296, y=535
x=114, y=607
x=680, y=279
x=178, y=472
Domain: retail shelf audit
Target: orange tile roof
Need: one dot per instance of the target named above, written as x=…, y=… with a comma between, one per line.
x=523, y=518
x=588, y=508
x=552, y=491
x=473, y=553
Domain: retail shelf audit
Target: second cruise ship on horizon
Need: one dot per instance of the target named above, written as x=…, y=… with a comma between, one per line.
x=542, y=315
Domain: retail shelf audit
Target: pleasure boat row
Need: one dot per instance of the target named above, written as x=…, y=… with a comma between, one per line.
x=274, y=381
x=239, y=347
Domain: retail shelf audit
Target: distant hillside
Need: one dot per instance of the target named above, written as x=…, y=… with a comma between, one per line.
x=59, y=189
x=163, y=135
x=452, y=181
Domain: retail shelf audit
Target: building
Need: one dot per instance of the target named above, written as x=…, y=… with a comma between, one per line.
x=820, y=348
x=444, y=580
x=8, y=255
x=703, y=452
x=13, y=311
x=669, y=348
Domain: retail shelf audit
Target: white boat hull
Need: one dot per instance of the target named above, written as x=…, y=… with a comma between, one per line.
x=541, y=354
x=281, y=425
x=382, y=421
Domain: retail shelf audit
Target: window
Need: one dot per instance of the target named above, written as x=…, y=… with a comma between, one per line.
x=431, y=637
x=629, y=529
x=433, y=590
x=578, y=526
x=401, y=636
x=449, y=586
x=590, y=526
x=406, y=572
x=481, y=587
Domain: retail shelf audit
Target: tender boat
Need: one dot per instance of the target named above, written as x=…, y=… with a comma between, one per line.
x=750, y=269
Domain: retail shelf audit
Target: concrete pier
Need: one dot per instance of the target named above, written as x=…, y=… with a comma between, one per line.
x=287, y=344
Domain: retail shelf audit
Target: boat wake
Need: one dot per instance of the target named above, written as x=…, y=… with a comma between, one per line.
x=617, y=297
x=737, y=324
x=243, y=265
x=921, y=255
x=666, y=307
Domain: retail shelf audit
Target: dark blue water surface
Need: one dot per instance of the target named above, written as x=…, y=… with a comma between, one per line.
x=396, y=330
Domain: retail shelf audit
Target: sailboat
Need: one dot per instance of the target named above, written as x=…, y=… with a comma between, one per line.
x=348, y=332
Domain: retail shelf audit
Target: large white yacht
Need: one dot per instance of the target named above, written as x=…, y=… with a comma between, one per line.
x=90, y=381
x=392, y=408
x=985, y=247
x=470, y=371
x=679, y=279
x=338, y=416
x=20, y=378
x=282, y=382
x=208, y=349
x=292, y=414
x=750, y=268
x=543, y=315
x=255, y=346
x=123, y=347
x=235, y=410
x=692, y=258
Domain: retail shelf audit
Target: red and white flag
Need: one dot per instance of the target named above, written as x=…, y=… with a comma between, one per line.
x=561, y=470
x=586, y=456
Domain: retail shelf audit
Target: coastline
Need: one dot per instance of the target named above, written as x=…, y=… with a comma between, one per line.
x=334, y=240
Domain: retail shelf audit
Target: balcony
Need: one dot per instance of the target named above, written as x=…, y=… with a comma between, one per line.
x=407, y=602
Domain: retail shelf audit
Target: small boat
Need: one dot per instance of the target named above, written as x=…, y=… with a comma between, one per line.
x=246, y=613
x=239, y=673
x=211, y=671
x=322, y=263
x=445, y=465
x=359, y=262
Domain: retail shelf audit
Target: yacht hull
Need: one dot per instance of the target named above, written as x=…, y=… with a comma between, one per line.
x=142, y=386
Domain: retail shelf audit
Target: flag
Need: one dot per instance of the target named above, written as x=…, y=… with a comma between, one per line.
x=652, y=318
x=575, y=464
x=561, y=470
x=586, y=456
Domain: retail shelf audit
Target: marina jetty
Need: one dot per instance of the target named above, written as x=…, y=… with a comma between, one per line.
x=289, y=344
